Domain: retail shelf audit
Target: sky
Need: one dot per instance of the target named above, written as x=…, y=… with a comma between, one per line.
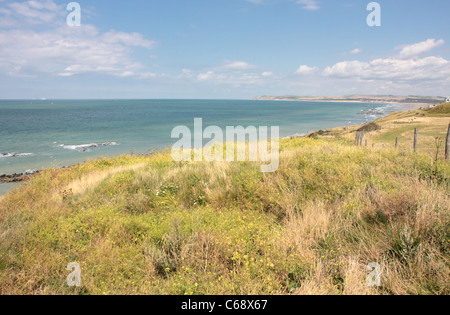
x=222, y=49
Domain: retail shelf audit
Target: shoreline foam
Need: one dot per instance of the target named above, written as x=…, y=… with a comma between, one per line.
x=88, y=147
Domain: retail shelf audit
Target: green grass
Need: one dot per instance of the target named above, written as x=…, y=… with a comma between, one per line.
x=148, y=225
x=442, y=110
x=389, y=137
x=431, y=123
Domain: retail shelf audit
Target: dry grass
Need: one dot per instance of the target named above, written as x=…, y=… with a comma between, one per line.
x=91, y=180
x=432, y=124
x=148, y=225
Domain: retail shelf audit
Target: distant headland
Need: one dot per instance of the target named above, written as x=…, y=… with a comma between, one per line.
x=419, y=100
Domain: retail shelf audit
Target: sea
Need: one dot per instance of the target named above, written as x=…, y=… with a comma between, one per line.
x=39, y=134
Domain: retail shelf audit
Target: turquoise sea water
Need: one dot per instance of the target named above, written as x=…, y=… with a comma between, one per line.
x=41, y=134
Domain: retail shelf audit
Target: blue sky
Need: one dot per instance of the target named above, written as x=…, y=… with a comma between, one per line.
x=225, y=49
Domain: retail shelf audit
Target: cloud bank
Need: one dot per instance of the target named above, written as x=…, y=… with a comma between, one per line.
x=60, y=50
x=407, y=69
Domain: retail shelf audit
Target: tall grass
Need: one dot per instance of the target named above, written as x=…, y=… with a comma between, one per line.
x=148, y=225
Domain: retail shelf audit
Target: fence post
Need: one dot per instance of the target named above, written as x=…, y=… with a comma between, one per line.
x=396, y=143
x=359, y=138
x=447, y=145
x=431, y=154
x=416, y=138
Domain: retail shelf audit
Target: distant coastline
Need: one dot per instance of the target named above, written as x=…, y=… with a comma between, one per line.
x=415, y=101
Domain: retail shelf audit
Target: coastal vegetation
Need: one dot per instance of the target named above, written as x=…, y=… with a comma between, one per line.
x=149, y=225
x=432, y=125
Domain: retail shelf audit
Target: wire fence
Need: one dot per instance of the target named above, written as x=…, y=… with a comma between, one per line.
x=440, y=146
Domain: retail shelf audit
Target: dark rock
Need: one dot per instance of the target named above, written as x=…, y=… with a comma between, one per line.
x=370, y=127
x=15, y=178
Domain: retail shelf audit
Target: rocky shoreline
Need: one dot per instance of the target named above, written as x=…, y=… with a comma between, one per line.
x=17, y=177
x=14, y=155
x=21, y=177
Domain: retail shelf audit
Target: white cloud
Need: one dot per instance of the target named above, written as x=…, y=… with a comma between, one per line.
x=232, y=73
x=231, y=79
x=311, y=5
x=429, y=68
x=128, y=39
x=30, y=13
x=356, y=51
x=305, y=70
x=186, y=73
x=205, y=76
x=418, y=49
x=61, y=50
x=68, y=51
x=397, y=74
x=346, y=69
x=397, y=67
x=238, y=65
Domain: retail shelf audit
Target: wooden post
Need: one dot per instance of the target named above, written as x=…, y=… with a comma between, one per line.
x=447, y=145
x=396, y=143
x=416, y=138
x=359, y=138
x=431, y=154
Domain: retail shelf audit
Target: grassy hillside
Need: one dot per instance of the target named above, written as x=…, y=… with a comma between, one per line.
x=148, y=225
x=442, y=110
x=431, y=123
